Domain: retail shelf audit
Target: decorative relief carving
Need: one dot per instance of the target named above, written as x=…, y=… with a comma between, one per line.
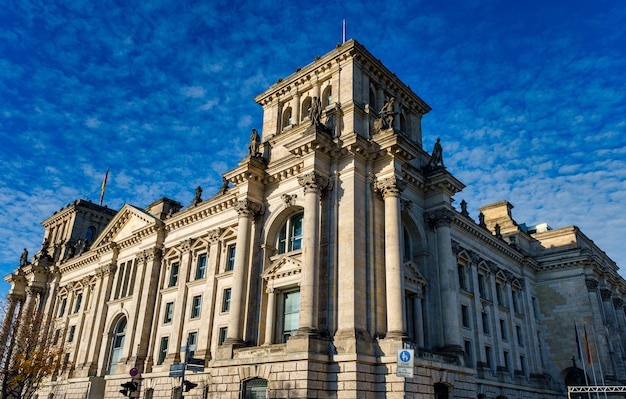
x=314, y=182
x=289, y=199
x=246, y=207
x=214, y=235
x=390, y=186
x=186, y=245
x=405, y=205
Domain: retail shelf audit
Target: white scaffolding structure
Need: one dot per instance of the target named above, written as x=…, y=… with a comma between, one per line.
x=595, y=389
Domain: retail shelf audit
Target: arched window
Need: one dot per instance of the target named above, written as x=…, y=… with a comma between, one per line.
x=91, y=233
x=290, y=236
x=306, y=108
x=255, y=388
x=286, y=117
x=117, y=344
x=327, y=96
x=407, y=243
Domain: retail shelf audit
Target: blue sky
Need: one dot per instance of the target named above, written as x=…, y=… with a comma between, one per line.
x=528, y=99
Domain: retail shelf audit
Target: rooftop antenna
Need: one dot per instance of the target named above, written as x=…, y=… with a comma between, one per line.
x=343, y=31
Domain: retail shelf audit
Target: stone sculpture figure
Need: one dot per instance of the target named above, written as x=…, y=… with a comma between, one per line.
x=255, y=142
x=315, y=114
x=436, y=159
x=388, y=114
x=24, y=257
x=224, y=187
x=198, y=198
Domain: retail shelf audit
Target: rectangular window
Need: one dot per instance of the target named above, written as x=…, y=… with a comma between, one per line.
x=173, y=274
x=522, y=364
x=79, y=299
x=507, y=361
x=129, y=267
x=488, y=357
x=192, y=341
x=465, y=316
x=485, y=323
x=163, y=349
x=482, y=286
x=70, y=336
x=222, y=335
x=196, y=304
x=462, y=277
x=201, y=266
x=503, y=331
x=291, y=314
x=499, y=296
x=169, y=312
x=226, y=300
x=520, y=336
x=535, y=308
x=62, y=306
x=57, y=333
x=230, y=260
x=516, y=301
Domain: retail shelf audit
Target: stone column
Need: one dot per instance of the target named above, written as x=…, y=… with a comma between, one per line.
x=391, y=189
x=28, y=311
x=313, y=184
x=246, y=210
x=441, y=220
x=7, y=324
x=418, y=316
x=269, y=318
x=612, y=336
x=618, y=303
x=102, y=295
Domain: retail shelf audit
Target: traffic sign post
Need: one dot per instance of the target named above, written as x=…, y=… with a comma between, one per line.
x=405, y=364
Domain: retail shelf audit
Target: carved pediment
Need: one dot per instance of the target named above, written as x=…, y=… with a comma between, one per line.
x=126, y=223
x=412, y=274
x=282, y=267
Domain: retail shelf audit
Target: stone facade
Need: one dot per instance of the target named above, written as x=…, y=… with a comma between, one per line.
x=331, y=246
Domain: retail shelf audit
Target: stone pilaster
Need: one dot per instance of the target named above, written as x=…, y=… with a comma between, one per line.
x=13, y=300
x=441, y=220
x=269, y=319
x=391, y=189
x=102, y=293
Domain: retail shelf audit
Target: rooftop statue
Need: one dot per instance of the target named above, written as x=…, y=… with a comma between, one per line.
x=315, y=113
x=198, y=197
x=255, y=142
x=24, y=257
x=436, y=159
x=388, y=113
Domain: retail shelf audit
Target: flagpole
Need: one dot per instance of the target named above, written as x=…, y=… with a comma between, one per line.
x=595, y=342
x=104, y=186
x=343, y=31
x=590, y=361
x=580, y=357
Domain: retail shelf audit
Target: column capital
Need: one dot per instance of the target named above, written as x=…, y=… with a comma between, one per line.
x=439, y=217
x=152, y=254
x=391, y=186
x=32, y=291
x=606, y=294
x=618, y=303
x=314, y=182
x=106, y=270
x=14, y=298
x=185, y=246
x=248, y=208
x=592, y=284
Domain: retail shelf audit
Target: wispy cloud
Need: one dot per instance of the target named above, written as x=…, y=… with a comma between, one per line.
x=528, y=102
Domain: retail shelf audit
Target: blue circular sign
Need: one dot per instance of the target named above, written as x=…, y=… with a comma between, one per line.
x=405, y=356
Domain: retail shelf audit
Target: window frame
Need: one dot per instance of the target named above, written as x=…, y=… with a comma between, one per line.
x=231, y=252
x=173, y=279
x=291, y=234
x=163, y=350
x=201, y=266
x=196, y=307
x=226, y=296
x=168, y=312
